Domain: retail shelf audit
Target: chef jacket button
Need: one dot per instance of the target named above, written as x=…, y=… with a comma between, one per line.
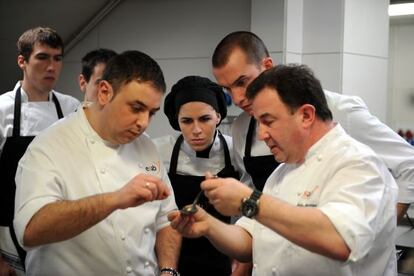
x=273, y=270
x=103, y=171
x=92, y=141
x=129, y=269
x=146, y=263
x=319, y=158
x=254, y=266
x=146, y=230
x=123, y=237
x=140, y=165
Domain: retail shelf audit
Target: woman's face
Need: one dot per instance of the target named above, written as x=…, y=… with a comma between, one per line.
x=198, y=121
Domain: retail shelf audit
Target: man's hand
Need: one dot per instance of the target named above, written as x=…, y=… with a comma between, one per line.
x=190, y=226
x=226, y=194
x=142, y=188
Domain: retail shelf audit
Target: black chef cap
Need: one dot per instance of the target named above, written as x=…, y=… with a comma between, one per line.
x=194, y=89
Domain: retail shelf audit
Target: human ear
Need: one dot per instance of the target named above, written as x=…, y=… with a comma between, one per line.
x=105, y=92
x=308, y=113
x=82, y=83
x=21, y=62
x=218, y=118
x=267, y=63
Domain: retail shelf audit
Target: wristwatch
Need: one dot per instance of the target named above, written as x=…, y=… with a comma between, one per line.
x=250, y=205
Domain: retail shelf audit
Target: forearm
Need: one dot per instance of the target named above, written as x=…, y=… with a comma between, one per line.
x=65, y=219
x=306, y=227
x=167, y=247
x=232, y=240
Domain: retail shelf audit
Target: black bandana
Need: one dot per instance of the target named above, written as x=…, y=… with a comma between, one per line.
x=194, y=89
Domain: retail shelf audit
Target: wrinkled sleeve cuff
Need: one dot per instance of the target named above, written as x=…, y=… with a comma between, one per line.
x=351, y=226
x=405, y=192
x=23, y=216
x=247, y=224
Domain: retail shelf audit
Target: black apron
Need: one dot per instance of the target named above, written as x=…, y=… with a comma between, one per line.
x=259, y=167
x=199, y=256
x=14, y=148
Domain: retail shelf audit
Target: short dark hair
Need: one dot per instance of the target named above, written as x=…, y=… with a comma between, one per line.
x=248, y=42
x=296, y=85
x=43, y=35
x=93, y=58
x=133, y=66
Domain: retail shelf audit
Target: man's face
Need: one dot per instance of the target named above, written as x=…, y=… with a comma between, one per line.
x=126, y=115
x=198, y=121
x=279, y=127
x=90, y=88
x=42, y=70
x=236, y=75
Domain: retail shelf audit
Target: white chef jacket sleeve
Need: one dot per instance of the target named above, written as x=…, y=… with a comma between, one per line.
x=247, y=224
x=352, y=113
x=360, y=201
x=397, y=154
x=37, y=184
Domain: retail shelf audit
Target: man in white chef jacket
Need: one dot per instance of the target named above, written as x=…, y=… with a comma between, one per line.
x=328, y=209
x=92, y=196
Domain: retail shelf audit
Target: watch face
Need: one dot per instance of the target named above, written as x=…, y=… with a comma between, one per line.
x=249, y=208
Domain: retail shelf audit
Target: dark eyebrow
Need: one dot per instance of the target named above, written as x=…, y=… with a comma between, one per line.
x=238, y=79
x=47, y=54
x=155, y=110
x=264, y=115
x=145, y=106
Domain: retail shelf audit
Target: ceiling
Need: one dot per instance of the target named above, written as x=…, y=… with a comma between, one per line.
x=405, y=19
x=69, y=18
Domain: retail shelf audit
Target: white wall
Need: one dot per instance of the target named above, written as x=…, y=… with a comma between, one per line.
x=198, y=25
x=401, y=74
x=147, y=26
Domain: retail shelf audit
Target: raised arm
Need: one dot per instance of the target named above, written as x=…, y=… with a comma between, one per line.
x=65, y=219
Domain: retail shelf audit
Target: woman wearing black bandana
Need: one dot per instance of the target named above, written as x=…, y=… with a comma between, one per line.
x=195, y=107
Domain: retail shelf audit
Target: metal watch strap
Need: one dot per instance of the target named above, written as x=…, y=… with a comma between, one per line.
x=256, y=195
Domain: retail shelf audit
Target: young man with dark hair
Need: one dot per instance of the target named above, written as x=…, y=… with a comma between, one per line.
x=26, y=111
x=92, y=194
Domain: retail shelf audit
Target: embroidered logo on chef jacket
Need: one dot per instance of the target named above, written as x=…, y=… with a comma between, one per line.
x=153, y=167
x=309, y=198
